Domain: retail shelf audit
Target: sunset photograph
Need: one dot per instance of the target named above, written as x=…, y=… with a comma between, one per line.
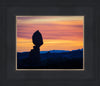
x=49, y=42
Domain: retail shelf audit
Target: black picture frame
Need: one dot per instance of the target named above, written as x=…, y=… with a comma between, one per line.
x=9, y=75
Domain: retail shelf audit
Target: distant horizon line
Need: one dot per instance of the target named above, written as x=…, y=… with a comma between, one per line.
x=52, y=50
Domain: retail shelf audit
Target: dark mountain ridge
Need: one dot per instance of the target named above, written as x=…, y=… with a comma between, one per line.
x=54, y=59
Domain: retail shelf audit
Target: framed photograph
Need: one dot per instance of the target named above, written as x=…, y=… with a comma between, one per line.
x=49, y=44
x=57, y=42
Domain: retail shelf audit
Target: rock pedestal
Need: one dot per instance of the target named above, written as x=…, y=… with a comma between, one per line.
x=35, y=55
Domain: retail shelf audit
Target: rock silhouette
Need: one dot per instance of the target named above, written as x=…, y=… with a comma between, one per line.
x=37, y=38
x=34, y=55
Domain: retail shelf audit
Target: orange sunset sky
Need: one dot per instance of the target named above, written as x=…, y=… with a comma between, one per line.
x=58, y=32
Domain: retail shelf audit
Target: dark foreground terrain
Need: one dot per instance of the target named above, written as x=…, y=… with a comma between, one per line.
x=53, y=60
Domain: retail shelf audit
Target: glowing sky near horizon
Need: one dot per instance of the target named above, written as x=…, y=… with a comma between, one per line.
x=58, y=32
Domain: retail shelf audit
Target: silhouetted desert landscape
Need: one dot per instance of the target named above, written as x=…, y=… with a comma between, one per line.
x=54, y=59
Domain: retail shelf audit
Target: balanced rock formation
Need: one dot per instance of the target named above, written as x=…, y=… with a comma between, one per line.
x=34, y=55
